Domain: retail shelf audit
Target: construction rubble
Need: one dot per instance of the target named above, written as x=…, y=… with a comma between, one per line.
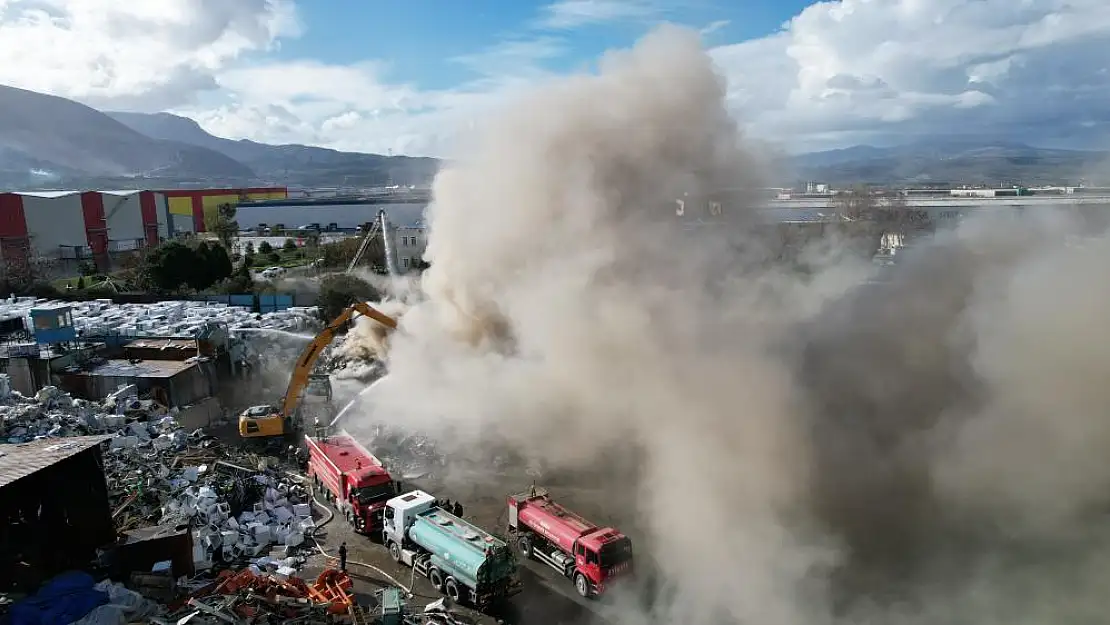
x=160, y=474
x=249, y=520
x=179, y=318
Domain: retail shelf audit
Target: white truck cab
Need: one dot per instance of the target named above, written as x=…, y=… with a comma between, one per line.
x=400, y=512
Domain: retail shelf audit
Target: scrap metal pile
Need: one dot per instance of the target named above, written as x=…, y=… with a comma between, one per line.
x=236, y=513
x=250, y=521
x=249, y=596
x=160, y=474
x=102, y=317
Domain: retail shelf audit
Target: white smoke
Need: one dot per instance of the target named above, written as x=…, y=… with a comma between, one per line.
x=803, y=449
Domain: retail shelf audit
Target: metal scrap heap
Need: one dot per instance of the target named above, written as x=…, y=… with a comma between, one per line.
x=251, y=597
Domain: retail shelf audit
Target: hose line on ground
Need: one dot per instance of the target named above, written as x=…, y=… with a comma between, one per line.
x=331, y=515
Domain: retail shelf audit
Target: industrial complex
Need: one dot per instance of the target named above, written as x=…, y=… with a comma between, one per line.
x=66, y=228
x=73, y=226
x=209, y=450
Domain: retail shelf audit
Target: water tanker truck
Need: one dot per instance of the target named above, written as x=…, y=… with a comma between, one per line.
x=352, y=478
x=461, y=560
x=593, y=557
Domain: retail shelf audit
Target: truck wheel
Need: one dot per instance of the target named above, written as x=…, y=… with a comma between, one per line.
x=436, y=578
x=582, y=585
x=395, y=552
x=525, y=546
x=453, y=589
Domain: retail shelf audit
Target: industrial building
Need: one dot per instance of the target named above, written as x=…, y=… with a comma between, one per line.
x=405, y=213
x=65, y=228
x=44, y=534
x=195, y=210
x=330, y=215
x=175, y=383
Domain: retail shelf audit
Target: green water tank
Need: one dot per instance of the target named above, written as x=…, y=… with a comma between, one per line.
x=392, y=606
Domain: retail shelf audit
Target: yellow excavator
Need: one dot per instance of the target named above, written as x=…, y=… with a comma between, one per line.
x=267, y=422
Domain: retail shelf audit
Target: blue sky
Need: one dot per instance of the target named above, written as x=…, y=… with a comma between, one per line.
x=407, y=76
x=420, y=39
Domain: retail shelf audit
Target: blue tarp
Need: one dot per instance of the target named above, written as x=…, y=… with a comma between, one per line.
x=62, y=600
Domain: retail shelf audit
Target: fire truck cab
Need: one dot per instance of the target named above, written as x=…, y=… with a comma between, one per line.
x=593, y=557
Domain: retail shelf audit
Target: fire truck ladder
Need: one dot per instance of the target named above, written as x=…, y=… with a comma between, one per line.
x=374, y=229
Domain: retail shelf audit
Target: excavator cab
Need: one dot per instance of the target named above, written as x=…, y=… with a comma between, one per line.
x=261, y=422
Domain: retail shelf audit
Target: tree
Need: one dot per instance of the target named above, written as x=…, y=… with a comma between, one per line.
x=226, y=228
x=339, y=291
x=879, y=212
x=241, y=281
x=290, y=245
x=273, y=257
x=81, y=283
x=174, y=265
x=248, y=249
x=340, y=253
x=265, y=247
x=213, y=265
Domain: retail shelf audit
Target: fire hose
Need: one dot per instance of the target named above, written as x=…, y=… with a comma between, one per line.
x=331, y=515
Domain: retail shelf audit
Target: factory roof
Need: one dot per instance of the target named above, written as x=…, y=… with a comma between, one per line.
x=51, y=307
x=17, y=461
x=59, y=194
x=162, y=343
x=141, y=369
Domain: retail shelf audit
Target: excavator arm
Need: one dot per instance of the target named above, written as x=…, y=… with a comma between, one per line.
x=307, y=360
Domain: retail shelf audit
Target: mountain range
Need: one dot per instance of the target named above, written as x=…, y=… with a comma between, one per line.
x=51, y=142
x=956, y=160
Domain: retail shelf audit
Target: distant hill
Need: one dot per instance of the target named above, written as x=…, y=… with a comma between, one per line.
x=52, y=142
x=58, y=139
x=959, y=160
x=289, y=164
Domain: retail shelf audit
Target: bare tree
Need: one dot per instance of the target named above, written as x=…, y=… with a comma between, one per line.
x=880, y=213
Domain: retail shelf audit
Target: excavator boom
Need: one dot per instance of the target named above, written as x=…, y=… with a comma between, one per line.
x=307, y=360
x=257, y=426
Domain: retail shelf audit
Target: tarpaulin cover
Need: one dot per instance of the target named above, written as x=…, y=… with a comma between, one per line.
x=62, y=600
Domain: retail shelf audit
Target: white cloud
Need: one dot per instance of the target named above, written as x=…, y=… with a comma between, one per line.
x=577, y=13
x=138, y=55
x=890, y=70
x=713, y=27
x=837, y=73
x=513, y=57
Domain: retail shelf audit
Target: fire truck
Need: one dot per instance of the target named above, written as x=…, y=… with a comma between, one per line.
x=593, y=557
x=352, y=478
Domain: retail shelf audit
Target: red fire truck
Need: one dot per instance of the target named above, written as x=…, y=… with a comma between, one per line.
x=355, y=481
x=594, y=557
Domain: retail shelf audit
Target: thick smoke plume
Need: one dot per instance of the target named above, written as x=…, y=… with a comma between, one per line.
x=791, y=449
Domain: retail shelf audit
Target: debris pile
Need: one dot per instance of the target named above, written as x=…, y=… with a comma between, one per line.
x=238, y=507
x=249, y=595
x=75, y=598
x=50, y=413
x=281, y=519
x=160, y=474
x=102, y=317
x=409, y=456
